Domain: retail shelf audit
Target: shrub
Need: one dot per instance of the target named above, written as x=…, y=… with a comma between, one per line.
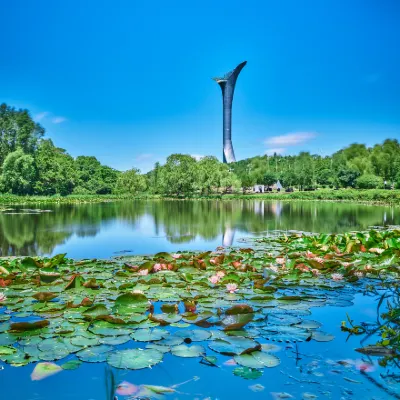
x=369, y=181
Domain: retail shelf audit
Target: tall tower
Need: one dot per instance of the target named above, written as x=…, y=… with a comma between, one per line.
x=227, y=84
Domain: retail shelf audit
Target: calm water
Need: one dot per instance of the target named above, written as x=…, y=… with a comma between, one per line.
x=142, y=227
x=109, y=229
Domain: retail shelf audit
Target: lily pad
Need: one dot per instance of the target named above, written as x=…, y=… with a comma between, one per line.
x=188, y=351
x=135, y=358
x=247, y=373
x=257, y=359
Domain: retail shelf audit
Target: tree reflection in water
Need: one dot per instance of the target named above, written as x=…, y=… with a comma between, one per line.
x=183, y=221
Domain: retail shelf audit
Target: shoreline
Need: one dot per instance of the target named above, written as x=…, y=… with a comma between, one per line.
x=371, y=197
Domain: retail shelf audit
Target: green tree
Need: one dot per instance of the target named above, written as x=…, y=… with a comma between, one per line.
x=179, y=175
x=56, y=173
x=130, y=182
x=18, y=173
x=17, y=131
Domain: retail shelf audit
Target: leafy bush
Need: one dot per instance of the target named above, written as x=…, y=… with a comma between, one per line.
x=369, y=181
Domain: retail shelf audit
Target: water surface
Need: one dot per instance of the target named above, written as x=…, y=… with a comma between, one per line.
x=143, y=227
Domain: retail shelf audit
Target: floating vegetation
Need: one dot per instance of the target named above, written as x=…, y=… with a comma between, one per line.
x=228, y=307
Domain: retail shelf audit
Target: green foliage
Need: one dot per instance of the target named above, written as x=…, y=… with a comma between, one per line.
x=17, y=131
x=369, y=181
x=18, y=173
x=56, y=173
x=130, y=182
x=179, y=175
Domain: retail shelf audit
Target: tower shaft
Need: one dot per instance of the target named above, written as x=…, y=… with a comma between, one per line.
x=227, y=84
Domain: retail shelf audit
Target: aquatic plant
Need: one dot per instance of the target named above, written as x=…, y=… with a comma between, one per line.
x=89, y=308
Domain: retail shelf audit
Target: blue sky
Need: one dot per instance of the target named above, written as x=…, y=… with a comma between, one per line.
x=129, y=81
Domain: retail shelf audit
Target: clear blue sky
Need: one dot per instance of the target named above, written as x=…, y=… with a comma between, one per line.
x=129, y=81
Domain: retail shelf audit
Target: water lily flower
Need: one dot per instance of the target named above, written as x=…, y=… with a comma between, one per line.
x=364, y=366
x=176, y=256
x=230, y=363
x=3, y=297
x=137, y=291
x=157, y=267
x=346, y=264
x=315, y=272
x=309, y=254
x=231, y=287
x=280, y=260
x=273, y=269
x=303, y=268
x=144, y=272
x=358, y=274
x=337, y=277
x=214, y=279
x=220, y=274
x=126, y=389
x=368, y=268
x=212, y=261
x=319, y=259
x=376, y=250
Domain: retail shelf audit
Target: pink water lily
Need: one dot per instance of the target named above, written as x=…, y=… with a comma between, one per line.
x=337, y=277
x=3, y=297
x=126, y=389
x=319, y=259
x=274, y=269
x=176, y=256
x=280, y=260
x=231, y=287
x=144, y=272
x=358, y=274
x=309, y=254
x=214, y=279
x=220, y=274
x=157, y=267
x=137, y=291
x=315, y=272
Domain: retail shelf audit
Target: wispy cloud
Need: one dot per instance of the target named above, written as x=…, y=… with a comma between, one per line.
x=58, y=120
x=271, y=152
x=144, y=156
x=40, y=116
x=290, y=139
x=197, y=157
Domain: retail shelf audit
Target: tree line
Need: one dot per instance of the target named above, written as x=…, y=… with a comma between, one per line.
x=31, y=164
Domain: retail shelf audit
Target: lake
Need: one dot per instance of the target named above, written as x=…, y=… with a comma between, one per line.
x=324, y=368
x=104, y=230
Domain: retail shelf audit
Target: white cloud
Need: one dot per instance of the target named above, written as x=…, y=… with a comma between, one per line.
x=40, y=116
x=290, y=139
x=58, y=120
x=271, y=152
x=143, y=157
x=197, y=157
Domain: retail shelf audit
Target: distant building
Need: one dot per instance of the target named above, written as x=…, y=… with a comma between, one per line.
x=263, y=188
x=227, y=84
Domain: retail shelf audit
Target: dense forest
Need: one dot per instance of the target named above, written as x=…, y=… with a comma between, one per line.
x=31, y=164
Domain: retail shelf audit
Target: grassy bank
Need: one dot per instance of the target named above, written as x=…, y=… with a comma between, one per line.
x=378, y=196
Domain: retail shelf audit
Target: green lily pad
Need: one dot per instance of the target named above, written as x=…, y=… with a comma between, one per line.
x=247, y=373
x=195, y=335
x=135, y=358
x=188, y=351
x=94, y=354
x=257, y=359
x=149, y=335
x=71, y=365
